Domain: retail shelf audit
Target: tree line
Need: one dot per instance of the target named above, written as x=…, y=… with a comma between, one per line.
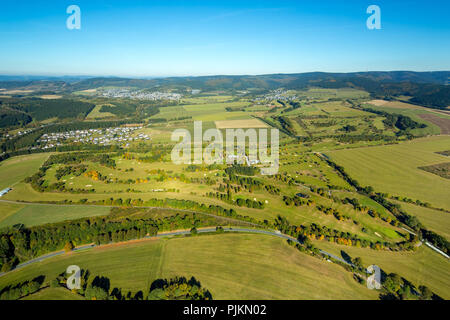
x=19, y=243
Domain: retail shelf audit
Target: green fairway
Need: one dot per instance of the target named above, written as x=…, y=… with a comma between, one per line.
x=16, y=169
x=394, y=169
x=239, y=266
x=36, y=214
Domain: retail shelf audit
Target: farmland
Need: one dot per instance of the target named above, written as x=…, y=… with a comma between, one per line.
x=333, y=144
x=16, y=169
x=36, y=214
x=240, y=266
x=422, y=266
x=394, y=169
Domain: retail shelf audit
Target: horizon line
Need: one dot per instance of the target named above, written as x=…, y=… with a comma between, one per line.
x=146, y=77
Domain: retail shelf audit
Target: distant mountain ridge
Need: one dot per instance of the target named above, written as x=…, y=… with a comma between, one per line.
x=429, y=89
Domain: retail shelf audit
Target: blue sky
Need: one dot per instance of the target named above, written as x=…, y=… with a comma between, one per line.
x=172, y=38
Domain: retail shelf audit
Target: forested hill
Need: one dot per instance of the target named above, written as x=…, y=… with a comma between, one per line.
x=430, y=89
x=270, y=81
x=15, y=111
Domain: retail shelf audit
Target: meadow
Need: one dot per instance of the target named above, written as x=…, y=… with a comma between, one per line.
x=422, y=267
x=394, y=168
x=435, y=220
x=54, y=294
x=240, y=266
x=38, y=214
x=97, y=114
x=18, y=168
x=417, y=113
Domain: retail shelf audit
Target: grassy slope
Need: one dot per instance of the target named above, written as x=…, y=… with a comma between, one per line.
x=31, y=215
x=412, y=111
x=54, y=294
x=393, y=168
x=7, y=210
x=239, y=266
x=18, y=168
x=422, y=267
x=434, y=220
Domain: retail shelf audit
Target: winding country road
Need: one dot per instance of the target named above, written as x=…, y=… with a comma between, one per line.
x=172, y=234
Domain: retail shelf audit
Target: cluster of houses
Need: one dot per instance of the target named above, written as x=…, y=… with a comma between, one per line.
x=242, y=158
x=278, y=94
x=18, y=134
x=141, y=95
x=107, y=136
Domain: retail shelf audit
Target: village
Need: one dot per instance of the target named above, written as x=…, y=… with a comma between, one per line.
x=278, y=94
x=107, y=136
x=141, y=95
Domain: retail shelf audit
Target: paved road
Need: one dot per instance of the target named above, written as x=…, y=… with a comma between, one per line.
x=177, y=233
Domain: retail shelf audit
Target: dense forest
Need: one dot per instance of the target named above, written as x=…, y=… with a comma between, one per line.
x=42, y=109
x=12, y=118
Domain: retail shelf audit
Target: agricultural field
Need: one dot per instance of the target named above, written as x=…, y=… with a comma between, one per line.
x=16, y=169
x=395, y=169
x=38, y=214
x=240, y=267
x=243, y=124
x=329, y=142
x=97, y=114
x=437, y=121
x=53, y=294
x=422, y=266
x=341, y=93
x=217, y=111
x=435, y=220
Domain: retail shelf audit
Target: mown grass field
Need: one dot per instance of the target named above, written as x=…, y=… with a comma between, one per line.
x=8, y=209
x=54, y=294
x=422, y=267
x=251, y=123
x=394, y=169
x=434, y=220
x=97, y=114
x=37, y=214
x=411, y=111
x=239, y=266
x=321, y=93
x=18, y=168
x=205, y=110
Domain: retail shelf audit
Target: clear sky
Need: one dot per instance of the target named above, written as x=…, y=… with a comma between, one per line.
x=170, y=38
